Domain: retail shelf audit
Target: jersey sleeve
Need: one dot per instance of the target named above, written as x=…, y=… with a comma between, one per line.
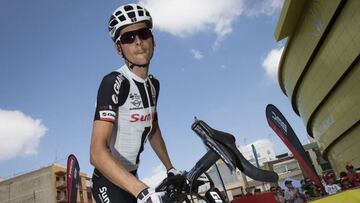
x=112, y=93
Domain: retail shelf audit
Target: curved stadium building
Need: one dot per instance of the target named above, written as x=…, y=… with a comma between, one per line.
x=319, y=72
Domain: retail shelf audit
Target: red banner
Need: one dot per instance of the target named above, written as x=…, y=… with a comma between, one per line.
x=73, y=177
x=283, y=129
x=261, y=198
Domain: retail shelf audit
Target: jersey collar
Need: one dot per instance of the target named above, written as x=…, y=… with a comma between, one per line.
x=133, y=75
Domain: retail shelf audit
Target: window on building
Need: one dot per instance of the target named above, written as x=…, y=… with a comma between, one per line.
x=280, y=169
x=88, y=183
x=237, y=191
x=293, y=166
x=60, y=195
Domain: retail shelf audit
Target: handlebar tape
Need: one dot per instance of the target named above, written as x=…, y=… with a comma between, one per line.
x=202, y=165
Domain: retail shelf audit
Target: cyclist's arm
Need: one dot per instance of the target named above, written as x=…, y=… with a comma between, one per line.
x=158, y=144
x=101, y=159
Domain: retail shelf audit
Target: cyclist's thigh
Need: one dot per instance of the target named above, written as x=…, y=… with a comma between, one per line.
x=106, y=192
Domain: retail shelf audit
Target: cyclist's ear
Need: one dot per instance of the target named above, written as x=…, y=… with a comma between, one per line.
x=118, y=48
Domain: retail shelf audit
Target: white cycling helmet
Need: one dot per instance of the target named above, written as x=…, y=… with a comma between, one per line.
x=126, y=15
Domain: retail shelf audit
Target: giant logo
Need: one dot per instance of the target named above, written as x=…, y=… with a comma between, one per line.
x=117, y=84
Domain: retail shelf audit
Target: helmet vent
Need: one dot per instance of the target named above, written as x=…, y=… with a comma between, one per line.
x=131, y=14
x=113, y=23
x=128, y=8
x=122, y=18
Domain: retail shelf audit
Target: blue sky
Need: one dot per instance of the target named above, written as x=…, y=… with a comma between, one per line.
x=214, y=61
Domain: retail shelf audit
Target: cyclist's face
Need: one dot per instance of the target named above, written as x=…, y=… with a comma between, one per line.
x=289, y=185
x=140, y=50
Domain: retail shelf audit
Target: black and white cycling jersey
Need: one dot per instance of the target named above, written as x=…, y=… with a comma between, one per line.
x=130, y=103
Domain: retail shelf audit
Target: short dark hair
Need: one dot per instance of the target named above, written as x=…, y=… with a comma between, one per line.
x=343, y=174
x=288, y=182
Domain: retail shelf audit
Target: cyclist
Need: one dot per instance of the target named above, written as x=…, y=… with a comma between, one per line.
x=126, y=113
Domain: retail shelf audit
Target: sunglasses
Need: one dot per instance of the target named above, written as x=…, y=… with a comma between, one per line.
x=129, y=37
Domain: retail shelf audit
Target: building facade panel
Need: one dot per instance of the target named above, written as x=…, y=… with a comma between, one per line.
x=331, y=62
x=45, y=185
x=340, y=111
x=319, y=72
x=346, y=150
x=303, y=41
x=33, y=187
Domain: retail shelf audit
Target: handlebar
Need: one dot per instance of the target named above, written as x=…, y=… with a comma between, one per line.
x=221, y=145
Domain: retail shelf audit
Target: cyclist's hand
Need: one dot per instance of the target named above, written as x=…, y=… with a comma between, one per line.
x=150, y=196
x=173, y=172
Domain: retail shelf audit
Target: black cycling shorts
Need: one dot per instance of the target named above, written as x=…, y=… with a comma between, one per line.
x=105, y=191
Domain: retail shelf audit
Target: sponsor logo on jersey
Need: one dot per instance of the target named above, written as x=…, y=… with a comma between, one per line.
x=138, y=117
x=135, y=99
x=107, y=115
x=117, y=84
x=115, y=99
x=103, y=195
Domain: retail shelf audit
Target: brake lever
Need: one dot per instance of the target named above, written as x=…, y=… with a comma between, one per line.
x=174, y=187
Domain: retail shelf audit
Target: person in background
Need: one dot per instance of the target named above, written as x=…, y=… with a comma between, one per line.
x=345, y=182
x=310, y=190
x=302, y=189
x=354, y=176
x=331, y=187
x=280, y=191
x=292, y=194
x=278, y=196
